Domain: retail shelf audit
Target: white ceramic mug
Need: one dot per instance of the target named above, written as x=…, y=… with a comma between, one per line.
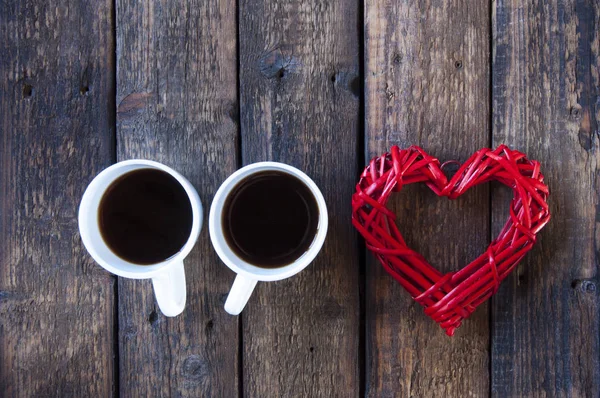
x=248, y=274
x=168, y=277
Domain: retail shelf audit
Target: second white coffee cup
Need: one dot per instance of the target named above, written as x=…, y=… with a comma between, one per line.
x=249, y=274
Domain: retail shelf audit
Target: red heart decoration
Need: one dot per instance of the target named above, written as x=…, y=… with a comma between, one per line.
x=450, y=298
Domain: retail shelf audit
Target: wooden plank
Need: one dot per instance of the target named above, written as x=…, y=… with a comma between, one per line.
x=427, y=84
x=177, y=104
x=56, y=134
x=299, y=90
x=546, y=101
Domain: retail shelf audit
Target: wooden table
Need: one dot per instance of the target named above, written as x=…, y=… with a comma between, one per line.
x=206, y=86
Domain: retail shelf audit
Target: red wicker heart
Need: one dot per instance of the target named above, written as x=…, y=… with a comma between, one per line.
x=450, y=298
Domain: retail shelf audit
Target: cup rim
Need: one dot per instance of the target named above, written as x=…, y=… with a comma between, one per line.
x=133, y=270
x=243, y=267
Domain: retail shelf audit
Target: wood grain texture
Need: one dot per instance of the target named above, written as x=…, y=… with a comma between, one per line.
x=299, y=90
x=427, y=84
x=56, y=134
x=546, y=103
x=177, y=104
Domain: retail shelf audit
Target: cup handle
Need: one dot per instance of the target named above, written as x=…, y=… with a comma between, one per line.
x=239, y=294
x=169, y=288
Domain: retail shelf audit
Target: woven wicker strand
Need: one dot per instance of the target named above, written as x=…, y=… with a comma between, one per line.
x=450, y=298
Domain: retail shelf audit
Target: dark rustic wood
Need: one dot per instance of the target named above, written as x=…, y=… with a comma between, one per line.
x=177, y=104
x=546, y=103
x=426, y=81
x=299, y=90
x=427, y=84
x=56, y=134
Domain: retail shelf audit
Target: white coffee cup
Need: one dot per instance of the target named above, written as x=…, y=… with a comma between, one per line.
x=168, y=276
x=249, y=274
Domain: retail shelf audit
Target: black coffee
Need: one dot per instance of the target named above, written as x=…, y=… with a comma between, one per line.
x=145, y=216
x=270, y=219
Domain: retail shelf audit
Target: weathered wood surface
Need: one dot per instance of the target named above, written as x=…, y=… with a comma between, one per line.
x=177, y=104
x=56, y=134
x=546, y=103
x=300, y=92
x=427, y=84
x=429, y=78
